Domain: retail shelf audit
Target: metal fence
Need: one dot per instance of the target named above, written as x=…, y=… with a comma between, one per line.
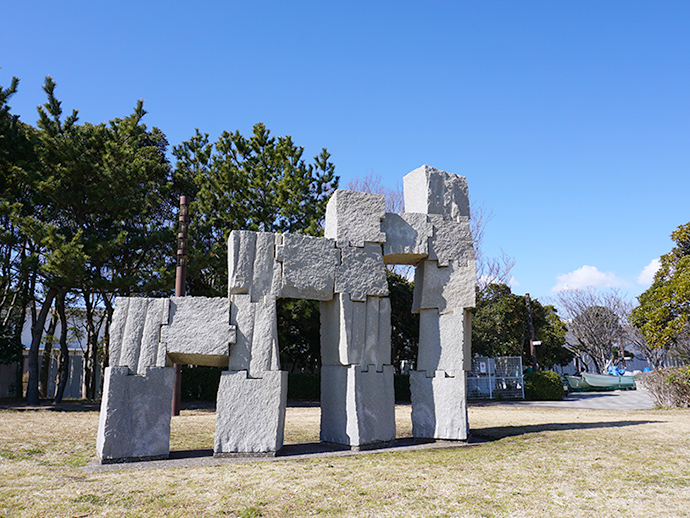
x=496, y=378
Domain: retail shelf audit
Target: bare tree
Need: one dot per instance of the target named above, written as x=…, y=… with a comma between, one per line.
x=490, y=270
x=372, y=183
x=595, y=323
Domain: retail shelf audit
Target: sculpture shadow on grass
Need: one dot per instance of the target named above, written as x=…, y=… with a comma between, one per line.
x=501, y=432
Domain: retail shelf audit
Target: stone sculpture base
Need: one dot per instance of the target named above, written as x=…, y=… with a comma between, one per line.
x=357, y=407
x=439, y=407
x=250, y=413
x=135, y=415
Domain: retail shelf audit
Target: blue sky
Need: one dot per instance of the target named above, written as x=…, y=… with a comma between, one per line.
x=570, y=120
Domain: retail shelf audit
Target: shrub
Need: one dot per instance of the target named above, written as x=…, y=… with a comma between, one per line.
x=667, y=387
x=543, y=386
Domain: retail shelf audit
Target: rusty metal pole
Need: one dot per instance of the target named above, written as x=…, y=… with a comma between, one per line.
x=180, y=281
x=532, y=350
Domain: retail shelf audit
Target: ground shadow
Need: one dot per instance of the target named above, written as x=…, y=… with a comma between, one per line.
x=501, y=432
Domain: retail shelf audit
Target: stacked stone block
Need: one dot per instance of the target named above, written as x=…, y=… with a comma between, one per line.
x=444, y=289
x=146, y=336
x=357, y=399
x=345, y=271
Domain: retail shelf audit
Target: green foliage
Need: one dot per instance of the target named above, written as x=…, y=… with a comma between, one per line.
x=299, y=334
x=200, y=383
x=669, y=387
x=304, y=386
x=401, y=386
x=258, y=183
x=404, y=324
x=662, y=315
x=500, y=328
x=543, y=386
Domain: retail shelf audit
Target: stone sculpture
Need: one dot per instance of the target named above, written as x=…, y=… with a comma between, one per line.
x=345, y=270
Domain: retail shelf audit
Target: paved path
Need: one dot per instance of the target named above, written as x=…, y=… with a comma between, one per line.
x=614, y=400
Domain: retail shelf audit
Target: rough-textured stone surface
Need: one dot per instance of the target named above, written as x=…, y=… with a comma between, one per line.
x=242, y=317
x=361, y=272
x=407, y=238
x=445, y=288
x=441, y=341
x=250, y=412
x=355, y=217
x=451, y=240
x=356, y=333
x=199, y=331
x=135, y=414
x=131, y=337
x=117, y=329
x=241, y=247
x=308, y=267
x=357, y=407
x=151, y=336
x=263, y=284
x=264, y=350
x=439, y=405
x=431, y=191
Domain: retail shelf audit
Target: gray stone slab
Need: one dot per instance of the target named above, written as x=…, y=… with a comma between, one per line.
x=355, y=217
x=241, y=248
x=342, y=330
x=357, y=407
x=452, y=240
x=264, y=349
x=135, y=414
x=431, y=191
x=441, y=341
x=264, y=269
x=439, y=405
x=308, y=267
x=445, y=288
x=151, y=336
x=242, y=317
x=361, y=272
x=199, y=332
x=134, y=329
x=117, y=329
x=250, y=412
x=407, y=238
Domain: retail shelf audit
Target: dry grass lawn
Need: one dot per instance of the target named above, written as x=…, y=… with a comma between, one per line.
x=539, y=462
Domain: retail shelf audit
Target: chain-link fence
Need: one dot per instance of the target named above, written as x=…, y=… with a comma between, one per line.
x=496, y=378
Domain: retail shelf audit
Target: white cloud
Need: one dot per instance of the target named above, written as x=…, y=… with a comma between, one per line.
x=646, y=276
x=586, y=277
x=514, y=282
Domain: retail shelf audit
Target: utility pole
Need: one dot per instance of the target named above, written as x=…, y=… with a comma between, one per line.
x=532, y=350
x=180, y=281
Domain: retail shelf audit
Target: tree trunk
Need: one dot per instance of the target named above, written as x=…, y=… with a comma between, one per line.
x=91, y=355
x=105, y=356
x=36, y=335
x=47, y=353
x=63, y=360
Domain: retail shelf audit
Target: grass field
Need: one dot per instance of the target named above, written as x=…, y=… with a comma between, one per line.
x=537, y=462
